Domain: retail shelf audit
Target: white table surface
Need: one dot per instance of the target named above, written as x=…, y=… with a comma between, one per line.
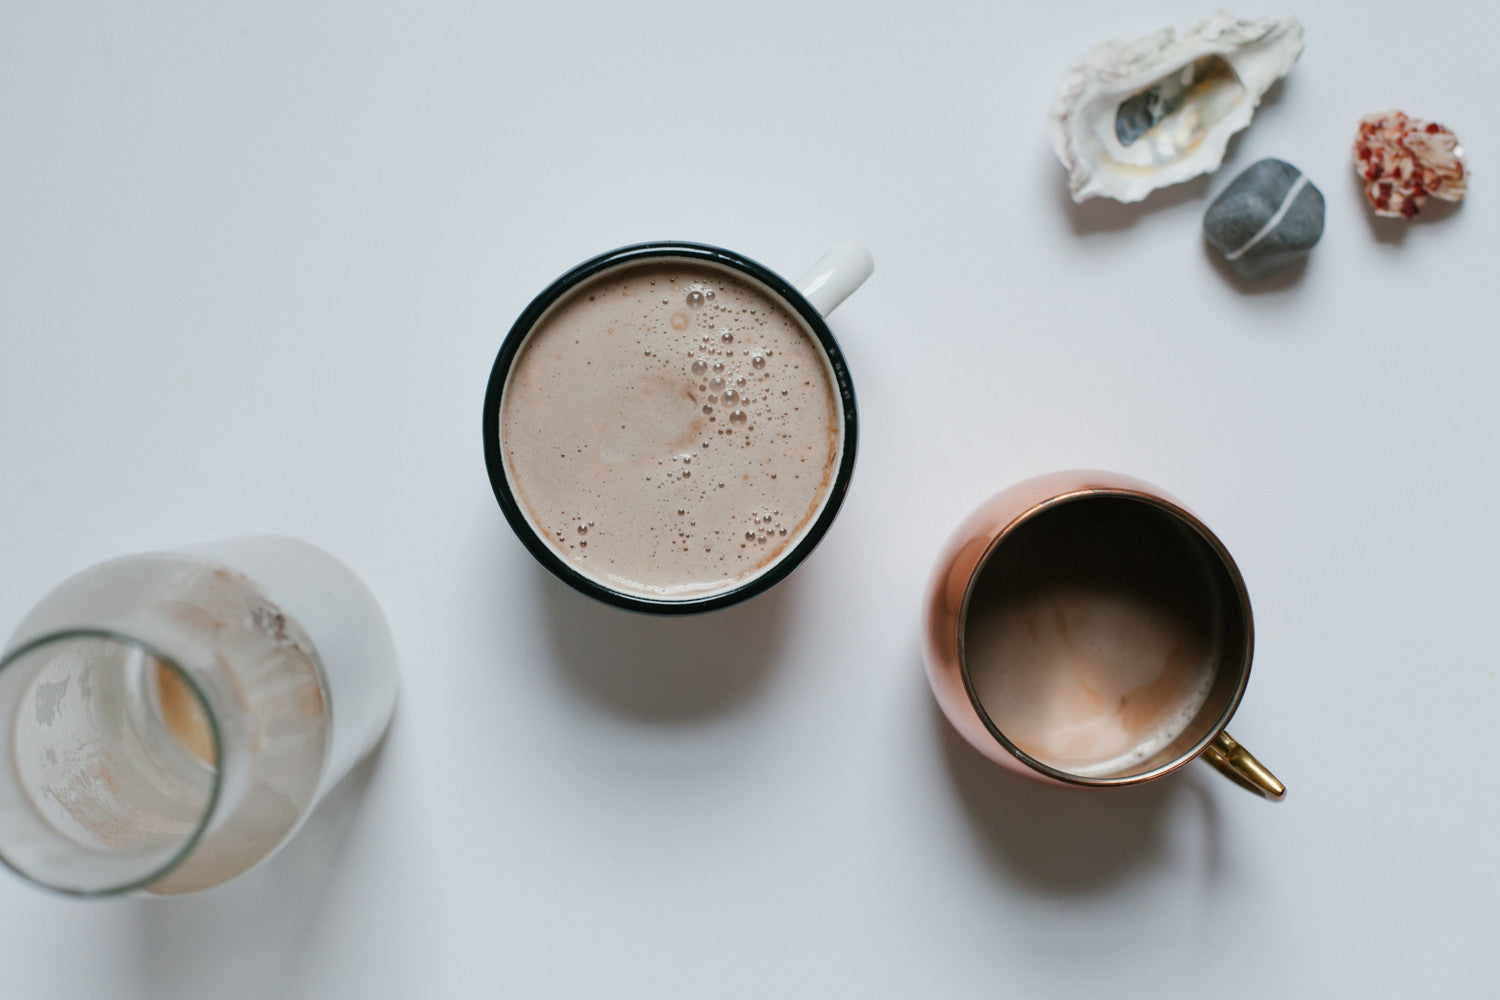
x=256, y=261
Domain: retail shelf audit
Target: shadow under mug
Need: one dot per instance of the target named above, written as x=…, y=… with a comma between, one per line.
x=826, y=284
x=1072, y=517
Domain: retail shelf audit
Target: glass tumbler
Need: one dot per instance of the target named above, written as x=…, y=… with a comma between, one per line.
x=168, y=720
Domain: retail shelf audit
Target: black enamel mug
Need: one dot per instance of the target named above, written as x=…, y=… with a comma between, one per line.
x=646, y=365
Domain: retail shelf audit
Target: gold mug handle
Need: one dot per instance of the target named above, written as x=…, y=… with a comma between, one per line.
x=1242, y=767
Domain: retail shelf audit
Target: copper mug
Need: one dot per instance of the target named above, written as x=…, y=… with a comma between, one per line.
x=1086, y=629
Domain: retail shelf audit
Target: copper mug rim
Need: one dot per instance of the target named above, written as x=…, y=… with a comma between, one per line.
x=947, y=625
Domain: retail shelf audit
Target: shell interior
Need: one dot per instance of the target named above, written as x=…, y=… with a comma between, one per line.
x=1140, y=113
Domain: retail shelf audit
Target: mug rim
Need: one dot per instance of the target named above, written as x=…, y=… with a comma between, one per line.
x=1182, y=516
x=521, y=329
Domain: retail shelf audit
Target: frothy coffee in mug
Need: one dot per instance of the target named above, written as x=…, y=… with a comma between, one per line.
x=671, y=429
x=1092, y=634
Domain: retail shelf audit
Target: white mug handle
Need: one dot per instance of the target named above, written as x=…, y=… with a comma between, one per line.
x=836, y=275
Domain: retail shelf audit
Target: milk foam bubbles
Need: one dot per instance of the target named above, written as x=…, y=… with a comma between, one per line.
x=681, y=411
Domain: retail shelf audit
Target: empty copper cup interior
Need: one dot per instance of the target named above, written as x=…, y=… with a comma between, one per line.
x=1125, y=542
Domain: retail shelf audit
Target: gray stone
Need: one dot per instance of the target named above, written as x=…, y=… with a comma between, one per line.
x=1268, y=217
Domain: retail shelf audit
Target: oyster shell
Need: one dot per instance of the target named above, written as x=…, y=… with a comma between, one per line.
x=1140, y=113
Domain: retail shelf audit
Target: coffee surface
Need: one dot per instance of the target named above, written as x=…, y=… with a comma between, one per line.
x=670, y=429
x=1092, y=635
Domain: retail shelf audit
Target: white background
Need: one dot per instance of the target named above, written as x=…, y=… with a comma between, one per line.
x=256, y=261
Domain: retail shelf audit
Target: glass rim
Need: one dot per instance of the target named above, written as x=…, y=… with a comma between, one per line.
x=215, y=789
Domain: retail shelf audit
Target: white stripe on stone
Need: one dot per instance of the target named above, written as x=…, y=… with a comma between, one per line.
x=1273, y=221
